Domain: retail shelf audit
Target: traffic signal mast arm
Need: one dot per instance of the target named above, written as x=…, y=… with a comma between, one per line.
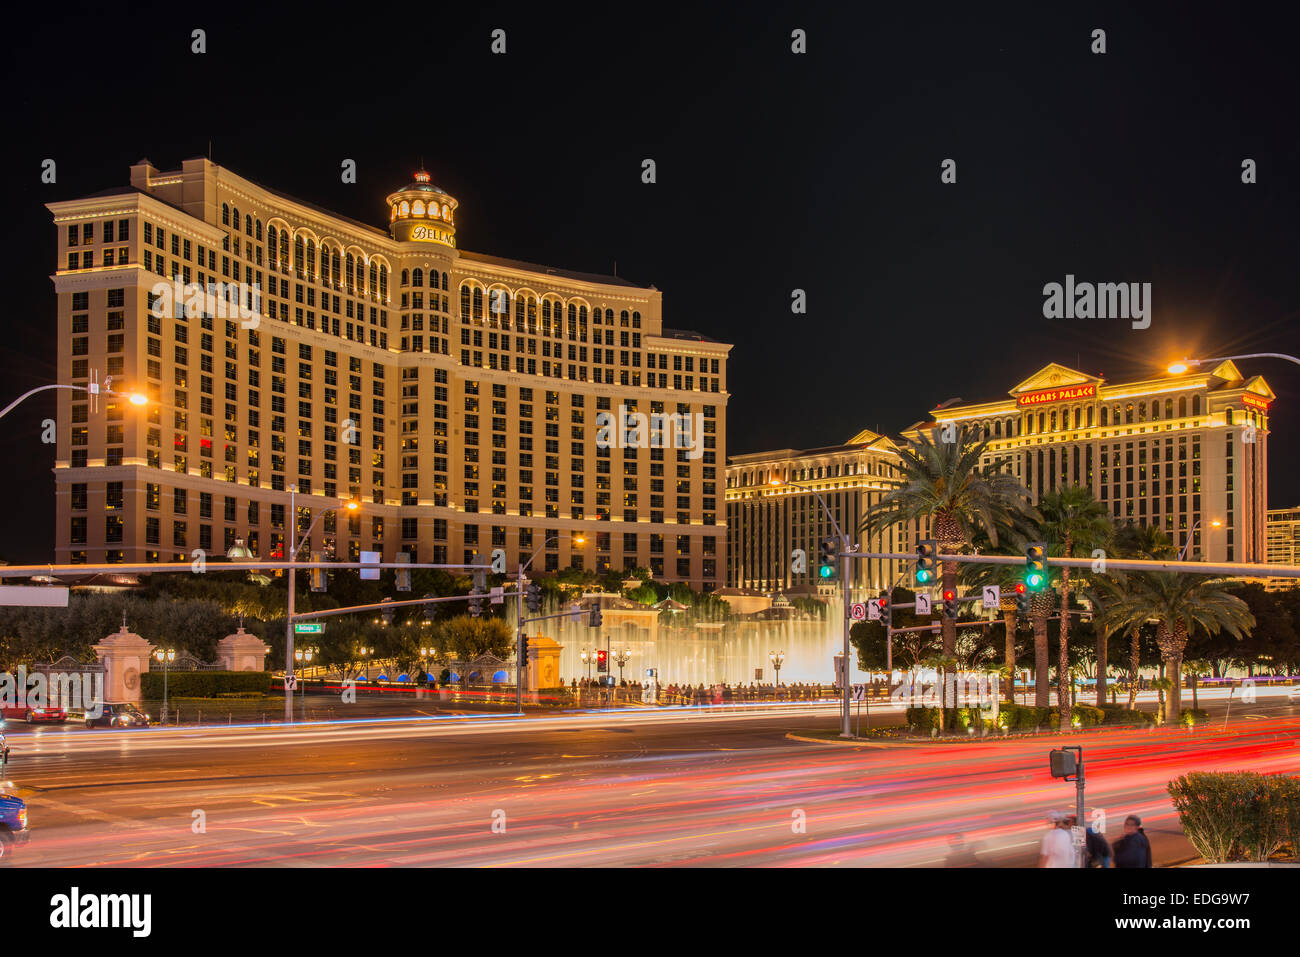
x=1257, y=569
x=386, y=604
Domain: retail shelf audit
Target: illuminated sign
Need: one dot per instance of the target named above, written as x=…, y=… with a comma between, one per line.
x=428, y=234
x=1058, y=395
x=1254, y=401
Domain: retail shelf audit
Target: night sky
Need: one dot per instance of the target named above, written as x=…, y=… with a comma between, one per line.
x=776, y=171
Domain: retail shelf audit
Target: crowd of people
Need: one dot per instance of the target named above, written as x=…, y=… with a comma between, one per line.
x=702, y=694
x=1132, y=849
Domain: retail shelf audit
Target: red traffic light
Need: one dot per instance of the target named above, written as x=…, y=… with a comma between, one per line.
x=884, y=600
x=1020, y=588
x=600, y=657
x=949, y=595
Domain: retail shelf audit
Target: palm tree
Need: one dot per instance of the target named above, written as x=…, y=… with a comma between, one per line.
x=1071, y=518
x=975, y=576
x=945, y=484
x=1142, y=542
x=1179, y=603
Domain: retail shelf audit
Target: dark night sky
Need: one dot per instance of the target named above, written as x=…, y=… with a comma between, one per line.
x=776, y=171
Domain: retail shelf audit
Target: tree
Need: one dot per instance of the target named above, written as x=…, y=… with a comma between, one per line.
x=1180, y=603
x=1143, y=542
x=944, y=484
x=1072, y=519
x=466, y=637
x=910, y=648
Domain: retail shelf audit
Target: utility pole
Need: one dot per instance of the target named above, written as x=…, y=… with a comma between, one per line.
x=519, y=641
x=288, y=624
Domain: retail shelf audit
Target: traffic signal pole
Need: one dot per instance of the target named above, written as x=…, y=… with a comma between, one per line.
x=846, y=729
x=519, y=641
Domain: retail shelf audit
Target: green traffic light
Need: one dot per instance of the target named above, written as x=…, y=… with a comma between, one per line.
x=827, y=571
x=1034, y=580
x=923, y=575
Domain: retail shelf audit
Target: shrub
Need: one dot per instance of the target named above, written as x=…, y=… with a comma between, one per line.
x=1237, y=815
x=1118, y=714
x=1193, y=716
x=205, y=684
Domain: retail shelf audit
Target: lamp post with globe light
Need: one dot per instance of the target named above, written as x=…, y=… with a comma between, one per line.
x=166, y=657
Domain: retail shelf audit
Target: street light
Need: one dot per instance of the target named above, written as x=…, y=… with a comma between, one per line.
x=846, y=706
x=304, y=655
x=1185, y=364
x=621, y=658
x=1214, y=523
x=294, y=545
x=778, y=659
x=135, y=398
x=166, y=657
x=586, y=661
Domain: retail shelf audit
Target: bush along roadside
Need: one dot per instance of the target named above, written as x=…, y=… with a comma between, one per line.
x=1019, y=717
x=1239, y=815
x=206, y=684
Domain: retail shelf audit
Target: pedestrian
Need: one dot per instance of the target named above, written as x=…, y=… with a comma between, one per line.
x=1057, y=850
x=1096, y=848
x=1133, y=849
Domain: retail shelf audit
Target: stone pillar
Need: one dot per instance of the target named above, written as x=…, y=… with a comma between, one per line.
x=126, y=657
x=242, y=652
x=543, y=669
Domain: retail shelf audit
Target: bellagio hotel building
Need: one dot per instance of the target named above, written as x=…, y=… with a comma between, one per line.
x=455, y=395
x=1184, y=453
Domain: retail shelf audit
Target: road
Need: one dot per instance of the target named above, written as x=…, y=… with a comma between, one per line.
x=615, y=789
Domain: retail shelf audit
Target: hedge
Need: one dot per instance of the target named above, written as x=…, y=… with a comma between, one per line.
x=1019, y=717
x=1193, y=716
x=205, y=684
x=1238, y=815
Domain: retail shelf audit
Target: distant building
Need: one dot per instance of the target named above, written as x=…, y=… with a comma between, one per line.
x=457, y=396
x=1186, y=453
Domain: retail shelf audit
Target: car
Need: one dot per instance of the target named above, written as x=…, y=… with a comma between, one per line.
x=119, y=716
x=13, y=824
x=34, y=715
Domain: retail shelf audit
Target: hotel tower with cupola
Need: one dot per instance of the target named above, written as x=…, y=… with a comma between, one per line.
x=455, y=395
x=1186, y=453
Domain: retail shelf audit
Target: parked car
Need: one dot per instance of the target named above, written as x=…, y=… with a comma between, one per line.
x=13, y=824
x=119, y=716
x=33, y=715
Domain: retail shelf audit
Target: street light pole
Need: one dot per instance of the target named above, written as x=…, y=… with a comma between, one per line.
x=519, y=616
x=1190, y=532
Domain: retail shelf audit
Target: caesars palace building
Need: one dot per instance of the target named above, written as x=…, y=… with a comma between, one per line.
x=1186, y=453
x=458, y=397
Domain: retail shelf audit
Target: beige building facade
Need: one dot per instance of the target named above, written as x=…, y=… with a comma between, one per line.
x=468, y=402
x=767, y=522
x=1187, y=453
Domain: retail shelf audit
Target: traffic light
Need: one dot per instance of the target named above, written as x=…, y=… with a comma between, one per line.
x=595, y=618
x=480, y=579
x=318, y=579
x=1022, y=600
x=402, y=577
x=827, y=552
x=602, y=661
x=523, y=647
x=388, y=614
x=1036, y=566
x=950, y=604
x=476, y=601
x=429, y=610
x=886, y=613
x=927, y=556
x=533, y=597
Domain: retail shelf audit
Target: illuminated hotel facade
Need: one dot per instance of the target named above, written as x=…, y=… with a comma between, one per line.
x=1284, y=536
x=455, y=395
x=1186, y=453
x=767, y=522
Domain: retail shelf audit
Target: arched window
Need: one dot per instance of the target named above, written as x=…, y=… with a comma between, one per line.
x=335, y=265
x=445, y=214
x=257, y=225
x=272, y=248
x=405, y=208
x=623, y=318
x=636, y=320
x=248, y=224
x=234, y=215
x=1182, y=406
x=299, y=256
x=225, y=214
x=1155, y=409
x=1196, y=405
x=406, y=277
x=478, y=302
x=464, y=303
x=1105, y=415
x=433, y=279
x=284, y=250
x=417, y=277
x=383, y=283
x=417, y=208
x=374, y=278
x=311, y=260
x=1169, y=408
x=351, y=275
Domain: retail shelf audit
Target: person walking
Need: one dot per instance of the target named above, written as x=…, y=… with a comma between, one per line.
x=1057, y=850
x=1133, y=849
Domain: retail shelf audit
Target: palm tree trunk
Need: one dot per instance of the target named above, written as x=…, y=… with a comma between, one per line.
x=1009, y=621
x=949, y=624
x=1063, y=658
x=1103, y=652
x=1042, y=692
x=1134, y=657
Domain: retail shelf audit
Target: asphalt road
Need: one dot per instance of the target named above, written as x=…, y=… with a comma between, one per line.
x=620, y=789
